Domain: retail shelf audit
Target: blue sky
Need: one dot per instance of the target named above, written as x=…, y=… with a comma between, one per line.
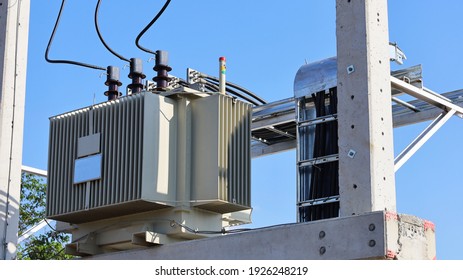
x=265, y=43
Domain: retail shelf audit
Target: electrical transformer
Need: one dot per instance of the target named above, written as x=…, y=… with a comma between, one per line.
x=154, y=165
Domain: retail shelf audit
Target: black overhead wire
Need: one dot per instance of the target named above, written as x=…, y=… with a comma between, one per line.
x=158, y=15
x=213, y=86
x=235, y=86
x=174, y=223
x=224, y=231
x=49, y=225
x=60, y=60
x=97, y=27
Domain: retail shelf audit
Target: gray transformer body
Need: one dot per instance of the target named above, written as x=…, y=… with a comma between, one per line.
x=151, y=153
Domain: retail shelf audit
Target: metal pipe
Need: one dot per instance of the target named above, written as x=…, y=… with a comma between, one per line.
x=32, y=230
x=222, y=75
x=34, y=171
x=405, y=104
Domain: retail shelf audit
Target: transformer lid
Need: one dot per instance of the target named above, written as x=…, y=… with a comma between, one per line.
x=315, y=77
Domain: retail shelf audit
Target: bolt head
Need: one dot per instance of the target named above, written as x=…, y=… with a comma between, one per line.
x=322, y=250
x=350, y=69
x=351, y=153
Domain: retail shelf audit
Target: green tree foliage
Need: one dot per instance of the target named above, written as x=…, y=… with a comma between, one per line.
x=44, y=246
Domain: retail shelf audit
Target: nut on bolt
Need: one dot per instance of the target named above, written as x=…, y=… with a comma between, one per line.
x=322, y=250
x=351, y=153
x=350, y=69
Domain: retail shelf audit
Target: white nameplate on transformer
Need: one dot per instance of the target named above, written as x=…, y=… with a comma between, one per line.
x=87, y=169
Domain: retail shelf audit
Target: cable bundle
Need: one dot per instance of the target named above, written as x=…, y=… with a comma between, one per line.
x=324, y=179
x=212, y=84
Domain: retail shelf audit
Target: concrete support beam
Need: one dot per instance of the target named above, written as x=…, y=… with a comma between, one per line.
x=14, y=28
x=376, y=235
x=366, y=156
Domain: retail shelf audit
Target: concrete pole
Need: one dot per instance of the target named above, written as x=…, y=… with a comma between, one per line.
x=366, y=156
x=14, y=28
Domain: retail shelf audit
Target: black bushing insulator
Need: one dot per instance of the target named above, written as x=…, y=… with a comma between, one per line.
x=113, y=83
x=162, y=68
x=136, y=67
x=136, y=74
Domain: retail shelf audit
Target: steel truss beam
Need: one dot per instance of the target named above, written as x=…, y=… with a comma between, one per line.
x=282, y=112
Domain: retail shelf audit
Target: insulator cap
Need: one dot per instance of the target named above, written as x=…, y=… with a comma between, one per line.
x=162, y=61
x=113, y=76
x=136, y=68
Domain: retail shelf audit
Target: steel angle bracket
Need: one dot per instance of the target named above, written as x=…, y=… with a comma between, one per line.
x=449, y=109
x=419, y=141
x=427, y=96
x=396, y=54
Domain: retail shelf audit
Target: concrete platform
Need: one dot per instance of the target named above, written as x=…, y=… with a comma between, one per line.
x=376, y=235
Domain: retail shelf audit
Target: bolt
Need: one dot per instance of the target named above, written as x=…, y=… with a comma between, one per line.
x=322, y=234
x=350, y=69
x=351, y=153
x=372, y=227
x=372, y=243
x=322, y=250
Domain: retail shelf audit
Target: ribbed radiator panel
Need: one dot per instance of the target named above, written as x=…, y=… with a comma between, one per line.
x=123, y=149
x=221, y=154
x=64, y=132
x=235, y=118
x=122, y=127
